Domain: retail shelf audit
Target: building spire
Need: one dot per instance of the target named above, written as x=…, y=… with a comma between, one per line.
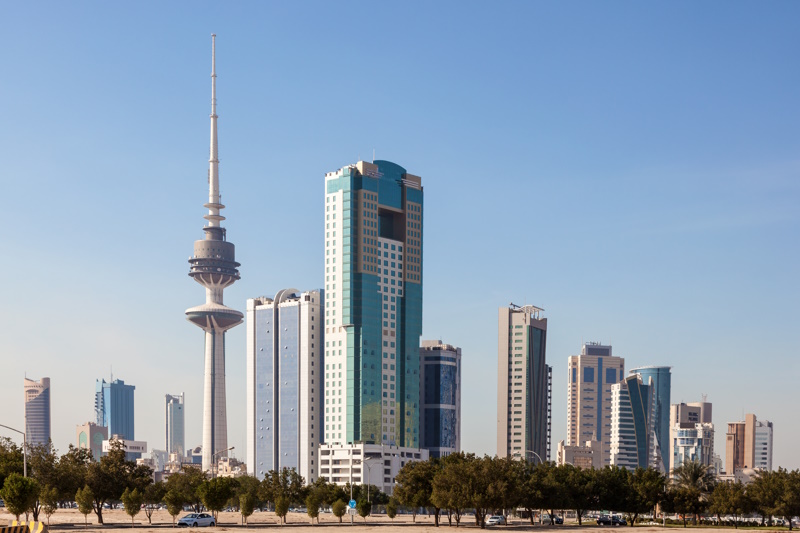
x=214, y=206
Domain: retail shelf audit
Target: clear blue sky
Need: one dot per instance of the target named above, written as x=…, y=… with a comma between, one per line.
x=631, y=167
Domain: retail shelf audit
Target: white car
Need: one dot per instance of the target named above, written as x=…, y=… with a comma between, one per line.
x=197, y=520
x=495, y=520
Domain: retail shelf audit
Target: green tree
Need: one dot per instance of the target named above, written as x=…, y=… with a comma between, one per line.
x=247, y=494
x=216, y=492
x=554, y=480
x=391, y=509
x=414, y=486
x=339, y=508
x=364, y=508
x=153, y=496
x=581, y=488
x=312, y=506
x=448, y=490
x=20, y=494
x=85, y=500
x=11, y=459
x=790, y=500
x=48, y=497
x=132, y=500
x=109, y=477
x=187, y=483
x=766, y=492
x=174, y=500
x=532, y=484
x=694, y=481
x=282, y=508
x=286, y=485
x=71, y=471
x=729, y=498
x=42, y=466
x=646, y=491
x=247, y=504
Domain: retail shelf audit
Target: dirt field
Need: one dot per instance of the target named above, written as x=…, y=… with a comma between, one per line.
x=72, y=520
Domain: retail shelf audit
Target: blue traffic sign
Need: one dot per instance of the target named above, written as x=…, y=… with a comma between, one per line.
x=352, y=504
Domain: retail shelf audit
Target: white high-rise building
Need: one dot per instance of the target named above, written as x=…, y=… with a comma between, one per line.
x=285, y=383
x=175, y=424
x=590, y=376
x=633, y=436
x=373, y=304
x=524, y=384
x=763, y=448
x=691, y=434
x=37, y=411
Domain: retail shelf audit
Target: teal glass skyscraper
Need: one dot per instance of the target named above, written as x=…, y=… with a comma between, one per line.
x=373, y=304
x=662, y=384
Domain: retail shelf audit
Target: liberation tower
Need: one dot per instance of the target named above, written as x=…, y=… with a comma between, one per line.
x=214, y=266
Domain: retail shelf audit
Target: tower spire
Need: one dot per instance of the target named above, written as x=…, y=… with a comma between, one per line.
x=214, y=206
x=214, y=266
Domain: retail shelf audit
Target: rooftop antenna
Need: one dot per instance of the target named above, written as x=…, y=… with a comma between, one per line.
x=111, y=370
x=373, y=155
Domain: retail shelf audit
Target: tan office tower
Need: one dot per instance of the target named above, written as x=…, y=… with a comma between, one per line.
x=590, y=376
x=524, y=384
x=740, y=445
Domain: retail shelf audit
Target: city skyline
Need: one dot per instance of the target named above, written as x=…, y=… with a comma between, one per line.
x=689, y=189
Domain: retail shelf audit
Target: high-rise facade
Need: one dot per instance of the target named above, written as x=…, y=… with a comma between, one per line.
x=524, y=384
x=213, y=265
x=662, y=387
x=175, y=424
x=633, y=440
x=373, y=304
x=90, y=436
x=37, y=411
x=114, y=407
x=748, y=444
x=691, y=435
x=440, y=398
x=763, y=448
x=285, y=383
x=590, y=376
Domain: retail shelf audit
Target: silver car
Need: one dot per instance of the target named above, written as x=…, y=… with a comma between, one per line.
x=196, y=520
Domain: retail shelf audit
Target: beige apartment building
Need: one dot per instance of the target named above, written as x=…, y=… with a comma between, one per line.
x=524, y=384
x=590, y=376
x=748, y=444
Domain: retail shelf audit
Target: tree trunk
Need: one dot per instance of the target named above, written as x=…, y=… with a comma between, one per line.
x=436, y=516
x=579, y=513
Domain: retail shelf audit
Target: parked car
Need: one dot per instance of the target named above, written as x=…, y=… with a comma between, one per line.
x=196, y=520
x=548, y=518
x=611, y=520
x=495, y=520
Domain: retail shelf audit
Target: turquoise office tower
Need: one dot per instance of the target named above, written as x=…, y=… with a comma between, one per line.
x=373, y=304
x=662, y=384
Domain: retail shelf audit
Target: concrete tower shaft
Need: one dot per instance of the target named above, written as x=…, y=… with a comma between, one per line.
x=213, y=265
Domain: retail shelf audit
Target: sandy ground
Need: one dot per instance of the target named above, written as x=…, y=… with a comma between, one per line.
x=72, y=520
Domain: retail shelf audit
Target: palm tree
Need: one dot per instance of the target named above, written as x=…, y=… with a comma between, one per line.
x=694, y=481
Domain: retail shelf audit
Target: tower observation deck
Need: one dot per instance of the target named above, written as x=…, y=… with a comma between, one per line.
x=213, y=265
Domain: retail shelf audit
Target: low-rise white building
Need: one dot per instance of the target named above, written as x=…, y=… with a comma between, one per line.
x=372, y=464
x=133, y=448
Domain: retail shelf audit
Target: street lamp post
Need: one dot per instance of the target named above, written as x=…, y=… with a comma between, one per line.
x=215, y=466
x=517, y=454
x=24, y=449
x=365, y=462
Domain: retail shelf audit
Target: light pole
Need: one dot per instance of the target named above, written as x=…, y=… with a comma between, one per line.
x=517, y=454
x=24, y=449
x=365, y=462
x=215, y=466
